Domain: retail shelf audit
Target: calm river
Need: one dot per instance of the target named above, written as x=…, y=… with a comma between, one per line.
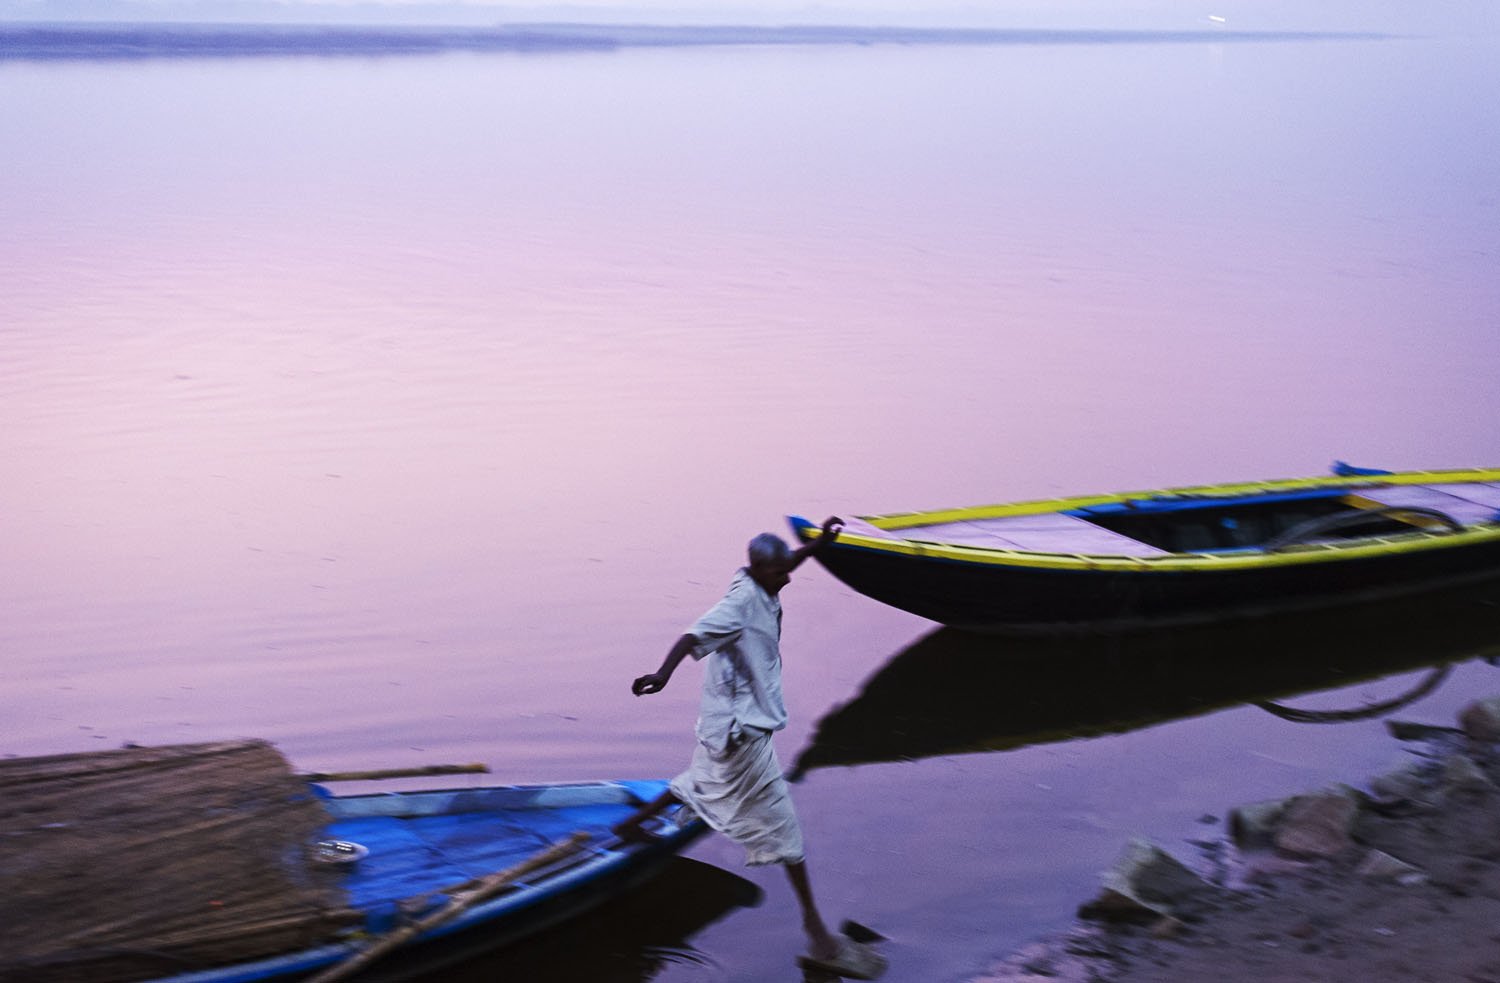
x=401, y=410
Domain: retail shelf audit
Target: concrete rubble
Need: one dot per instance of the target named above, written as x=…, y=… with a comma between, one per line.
x=1146, y=883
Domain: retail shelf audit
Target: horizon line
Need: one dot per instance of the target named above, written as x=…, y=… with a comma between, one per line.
x=144, y=39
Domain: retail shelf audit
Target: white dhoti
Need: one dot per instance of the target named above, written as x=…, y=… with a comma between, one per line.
x=741, y=794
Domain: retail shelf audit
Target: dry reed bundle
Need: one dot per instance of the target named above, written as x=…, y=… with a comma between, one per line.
x=124, y=865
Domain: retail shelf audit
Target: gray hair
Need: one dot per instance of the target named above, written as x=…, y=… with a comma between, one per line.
x=768, y=548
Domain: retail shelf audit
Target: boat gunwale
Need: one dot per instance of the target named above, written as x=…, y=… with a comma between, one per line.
x=1244, y=559
x=438, y=801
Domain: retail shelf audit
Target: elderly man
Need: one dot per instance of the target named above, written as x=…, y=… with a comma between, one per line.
x=734, y=781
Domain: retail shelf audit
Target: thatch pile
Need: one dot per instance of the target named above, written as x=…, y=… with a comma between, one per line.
x=131, y=864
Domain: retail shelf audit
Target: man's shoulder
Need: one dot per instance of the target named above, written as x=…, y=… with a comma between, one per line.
x=740, y=583
x=742, y=600
x=729, y=613
x=745, y=591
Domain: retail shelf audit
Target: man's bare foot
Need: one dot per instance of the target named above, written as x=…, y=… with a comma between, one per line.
x=851, y=960
x=822, y=945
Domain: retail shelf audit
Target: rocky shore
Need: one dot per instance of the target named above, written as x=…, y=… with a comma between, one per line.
x=1396, y=881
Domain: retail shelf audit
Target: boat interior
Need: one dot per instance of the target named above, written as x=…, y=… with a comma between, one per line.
x=1154, y=526
x=1198, y=527
x=421, y=843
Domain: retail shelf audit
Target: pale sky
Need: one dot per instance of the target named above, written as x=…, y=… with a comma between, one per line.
x=1437, y=16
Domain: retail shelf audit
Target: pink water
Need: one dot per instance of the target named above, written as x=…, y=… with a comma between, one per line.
x=402, y=410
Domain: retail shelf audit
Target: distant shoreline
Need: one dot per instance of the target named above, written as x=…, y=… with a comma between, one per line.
x=168, y=40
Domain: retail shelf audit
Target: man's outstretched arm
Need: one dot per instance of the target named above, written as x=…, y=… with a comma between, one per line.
x=655, y=682
x=830, y=532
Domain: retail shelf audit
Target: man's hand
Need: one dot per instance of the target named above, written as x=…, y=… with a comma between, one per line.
x=826, y=536
x=652, y=682
x=655, y=682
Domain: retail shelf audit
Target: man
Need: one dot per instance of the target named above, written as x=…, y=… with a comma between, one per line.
x=734, y=781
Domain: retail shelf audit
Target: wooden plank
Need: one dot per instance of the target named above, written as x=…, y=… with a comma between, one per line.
x=1049, y=533
x=1478, y=492
x=1416, y=496
x=959, y=534
x=383, y=774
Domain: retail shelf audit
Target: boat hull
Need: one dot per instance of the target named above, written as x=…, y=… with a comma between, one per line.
x=424, y=958
x=999, y=597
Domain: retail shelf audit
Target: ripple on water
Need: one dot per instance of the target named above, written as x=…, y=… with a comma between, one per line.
x=683, y=965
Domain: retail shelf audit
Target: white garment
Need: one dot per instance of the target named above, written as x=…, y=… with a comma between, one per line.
x=741, y=636
x=734, y=781
x=740, y=793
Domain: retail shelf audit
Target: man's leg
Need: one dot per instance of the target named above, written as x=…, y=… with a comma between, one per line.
x=629, y=829
x=820, y=943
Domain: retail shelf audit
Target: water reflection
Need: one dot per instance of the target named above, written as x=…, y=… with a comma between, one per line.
x=640, y=935
x=953, y=692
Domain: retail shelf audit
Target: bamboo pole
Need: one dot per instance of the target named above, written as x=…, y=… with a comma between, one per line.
x=373, y=776
x=485, y=888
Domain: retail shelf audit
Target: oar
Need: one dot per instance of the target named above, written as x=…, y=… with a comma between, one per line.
x=371, y=776
x=485, y=888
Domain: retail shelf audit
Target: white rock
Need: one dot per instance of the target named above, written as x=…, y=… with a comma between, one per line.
x=1317, y=825
x=1460, y=773
x=1145, y=879
x=1404, y=782
x=1480, y=720
x=1381, y=866
x=1254, y=825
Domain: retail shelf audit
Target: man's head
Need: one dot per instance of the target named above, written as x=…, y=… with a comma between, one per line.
x=770, y=562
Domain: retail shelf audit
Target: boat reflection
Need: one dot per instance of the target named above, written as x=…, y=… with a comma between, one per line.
x=636, y=936
x=953, y=692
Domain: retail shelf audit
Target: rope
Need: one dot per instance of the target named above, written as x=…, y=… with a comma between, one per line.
x=1296, y=716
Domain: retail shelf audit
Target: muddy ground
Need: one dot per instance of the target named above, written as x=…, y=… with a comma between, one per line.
x=1398, y=880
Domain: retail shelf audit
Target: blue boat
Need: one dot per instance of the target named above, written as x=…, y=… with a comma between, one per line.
x=1176, y=554
x=214, y=863
x=411, y=853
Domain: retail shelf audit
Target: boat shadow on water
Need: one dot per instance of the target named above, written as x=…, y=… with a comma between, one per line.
x=634, y=937
x=953, y=692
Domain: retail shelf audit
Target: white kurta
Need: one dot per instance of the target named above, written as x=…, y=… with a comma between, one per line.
x=735, y=781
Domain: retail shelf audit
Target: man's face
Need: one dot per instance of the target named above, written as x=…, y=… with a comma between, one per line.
x=772, y=575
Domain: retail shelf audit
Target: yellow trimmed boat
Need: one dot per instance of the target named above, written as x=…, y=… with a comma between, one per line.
x=1177, y=554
